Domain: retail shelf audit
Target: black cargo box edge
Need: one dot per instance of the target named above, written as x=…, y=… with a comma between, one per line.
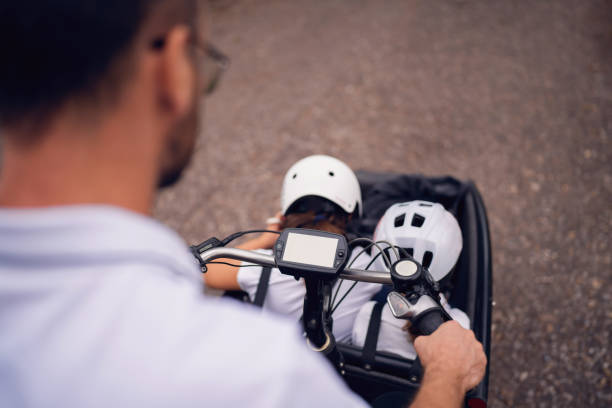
x=472, y=279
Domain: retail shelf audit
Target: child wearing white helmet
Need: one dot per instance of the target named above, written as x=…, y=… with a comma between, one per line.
x=432, y=236
x=319, y=192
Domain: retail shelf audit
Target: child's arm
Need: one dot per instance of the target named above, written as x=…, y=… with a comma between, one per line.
x=225, y=277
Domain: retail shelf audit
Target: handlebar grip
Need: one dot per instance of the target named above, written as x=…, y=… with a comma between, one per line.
x=428, y=322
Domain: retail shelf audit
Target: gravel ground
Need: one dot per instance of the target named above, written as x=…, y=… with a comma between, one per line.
x=516, y=96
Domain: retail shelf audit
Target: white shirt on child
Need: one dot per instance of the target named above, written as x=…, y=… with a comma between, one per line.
x=285, y=295
x=391, y=337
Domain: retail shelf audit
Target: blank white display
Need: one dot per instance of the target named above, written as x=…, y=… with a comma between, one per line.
x=310, y=250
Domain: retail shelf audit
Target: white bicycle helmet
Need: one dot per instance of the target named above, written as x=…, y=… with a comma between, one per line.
x=426, y=230
x=322, y=176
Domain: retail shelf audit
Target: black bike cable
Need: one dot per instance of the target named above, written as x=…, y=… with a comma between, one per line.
x=237, y=235
x=332, y=300
x=351, y=288
x=231, y=264
x=362, y=251
x=355, y=283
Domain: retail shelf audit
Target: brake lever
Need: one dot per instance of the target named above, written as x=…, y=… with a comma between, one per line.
x=416, y=297
x=402, y=308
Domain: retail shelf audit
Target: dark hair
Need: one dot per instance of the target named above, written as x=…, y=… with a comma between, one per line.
x=55, y=49
x=332, y=223
x=316, y=213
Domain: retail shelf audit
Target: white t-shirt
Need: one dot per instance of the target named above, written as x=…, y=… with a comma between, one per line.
x=391, y=337
x=101, y=307
x=285, y=295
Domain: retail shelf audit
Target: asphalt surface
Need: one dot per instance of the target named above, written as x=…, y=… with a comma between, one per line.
x=516, y=96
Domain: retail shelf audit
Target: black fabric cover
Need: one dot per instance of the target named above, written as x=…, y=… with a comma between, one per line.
x=381, y=190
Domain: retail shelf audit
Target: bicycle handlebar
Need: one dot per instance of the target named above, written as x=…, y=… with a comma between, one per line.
x=428, y=322
x=258, y=258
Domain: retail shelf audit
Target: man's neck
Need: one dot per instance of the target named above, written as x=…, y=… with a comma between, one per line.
x=64, y=167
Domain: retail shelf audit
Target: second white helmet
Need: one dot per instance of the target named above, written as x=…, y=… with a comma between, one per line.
x=322, y=176
x=426, y=230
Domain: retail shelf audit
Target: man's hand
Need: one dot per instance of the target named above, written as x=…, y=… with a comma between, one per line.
x=453, y=350
x=454, y=362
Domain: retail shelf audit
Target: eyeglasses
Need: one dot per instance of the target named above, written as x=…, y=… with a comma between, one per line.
x=214, y=65
x=213, y=62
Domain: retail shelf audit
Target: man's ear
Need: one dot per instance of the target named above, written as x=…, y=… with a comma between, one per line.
x=177, y=73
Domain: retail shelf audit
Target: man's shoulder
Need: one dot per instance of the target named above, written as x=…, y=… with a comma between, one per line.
x=180, y=306
x=237, y=354
x=156, y=332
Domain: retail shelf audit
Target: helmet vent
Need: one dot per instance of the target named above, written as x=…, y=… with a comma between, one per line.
x=427, y=258
x=417, y=220
x=331, y=173
x=294, y=175
x=424, y=205
x=410, y=251
x=399, y=220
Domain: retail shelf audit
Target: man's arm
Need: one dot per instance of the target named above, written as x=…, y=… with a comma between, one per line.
x=454, y=362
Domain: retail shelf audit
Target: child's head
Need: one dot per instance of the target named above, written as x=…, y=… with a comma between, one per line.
x=426, y=231
x=320, y=192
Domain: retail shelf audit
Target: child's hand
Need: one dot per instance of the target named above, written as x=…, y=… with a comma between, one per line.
x=267, y=240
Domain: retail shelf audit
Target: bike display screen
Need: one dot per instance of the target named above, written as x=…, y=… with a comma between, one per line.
x=310, y=253
x=310, y=250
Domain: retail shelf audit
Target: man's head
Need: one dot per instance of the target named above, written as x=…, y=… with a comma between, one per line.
x=86, y=63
